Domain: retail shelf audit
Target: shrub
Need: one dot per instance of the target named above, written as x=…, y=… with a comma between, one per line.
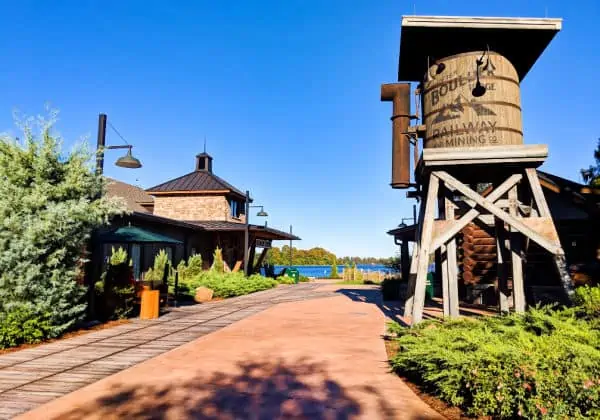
x=334, y=270
x=50, y=202
x=541, y=364
x=218, y=264
x=118, y=257
x=390, y=289
x=587, y=300
x=226, y=285
x=303, y=279
x=156, y=273
x=286, y=280
x=23, y=326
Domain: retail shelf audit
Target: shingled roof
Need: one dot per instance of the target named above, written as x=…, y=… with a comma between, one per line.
x=135, y=198
x=198, y=181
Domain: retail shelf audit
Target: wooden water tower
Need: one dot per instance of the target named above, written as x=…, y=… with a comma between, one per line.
x=474, y=166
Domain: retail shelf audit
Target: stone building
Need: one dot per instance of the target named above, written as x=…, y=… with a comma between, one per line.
x=192, y=214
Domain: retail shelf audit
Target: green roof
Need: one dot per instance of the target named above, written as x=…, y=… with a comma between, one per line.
x=132, y=234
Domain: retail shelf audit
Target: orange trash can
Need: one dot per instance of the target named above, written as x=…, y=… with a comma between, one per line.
x=149, y=304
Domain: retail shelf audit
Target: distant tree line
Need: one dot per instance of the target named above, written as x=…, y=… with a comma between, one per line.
x=316, y=256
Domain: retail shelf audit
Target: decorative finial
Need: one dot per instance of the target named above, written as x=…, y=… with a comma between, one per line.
x=204, y=144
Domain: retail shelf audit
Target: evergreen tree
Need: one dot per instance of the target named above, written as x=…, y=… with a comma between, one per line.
x=591, y=175
x=334, y=270
x=218, y=264
x=49, y=204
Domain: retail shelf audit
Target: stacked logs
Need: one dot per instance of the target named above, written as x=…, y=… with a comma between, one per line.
x=479, y=258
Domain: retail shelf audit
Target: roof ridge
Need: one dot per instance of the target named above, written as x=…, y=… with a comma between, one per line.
x=169, y=181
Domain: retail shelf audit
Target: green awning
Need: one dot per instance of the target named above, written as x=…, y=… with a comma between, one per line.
x=132, y=234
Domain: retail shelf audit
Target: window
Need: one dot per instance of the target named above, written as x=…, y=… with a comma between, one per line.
x=234, y=207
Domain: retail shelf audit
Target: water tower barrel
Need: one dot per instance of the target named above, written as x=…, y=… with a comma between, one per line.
x=459, y=113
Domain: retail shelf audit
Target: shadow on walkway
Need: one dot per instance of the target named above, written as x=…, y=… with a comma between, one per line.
x=391, y=309
x=394, y=310
x=258, y=390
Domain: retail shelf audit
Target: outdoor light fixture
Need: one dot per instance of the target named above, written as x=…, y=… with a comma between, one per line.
x=262, y=212
x=128, y=161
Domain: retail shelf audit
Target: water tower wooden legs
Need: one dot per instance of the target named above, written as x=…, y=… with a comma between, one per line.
x=508, y=219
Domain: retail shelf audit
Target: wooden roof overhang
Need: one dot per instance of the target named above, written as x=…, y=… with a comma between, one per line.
x=423, y=38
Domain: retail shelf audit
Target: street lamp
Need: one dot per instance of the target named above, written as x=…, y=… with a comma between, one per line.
x=127, y=161
x=261, y=213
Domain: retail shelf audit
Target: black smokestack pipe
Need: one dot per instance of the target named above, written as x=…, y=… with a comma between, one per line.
x=399, y=94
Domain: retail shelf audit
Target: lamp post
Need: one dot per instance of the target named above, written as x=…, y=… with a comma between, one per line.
x=261, y=213
x=127, y=161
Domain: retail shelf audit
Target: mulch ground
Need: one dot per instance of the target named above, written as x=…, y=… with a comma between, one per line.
x=70, y=334
x=446, y=410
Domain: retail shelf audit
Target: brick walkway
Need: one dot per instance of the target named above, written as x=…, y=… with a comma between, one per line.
x=305, y=358
x=34, y=376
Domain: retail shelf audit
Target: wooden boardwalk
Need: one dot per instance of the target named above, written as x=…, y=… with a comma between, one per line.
x=31, y=377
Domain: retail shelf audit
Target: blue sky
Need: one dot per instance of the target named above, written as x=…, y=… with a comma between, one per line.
x=286, y=92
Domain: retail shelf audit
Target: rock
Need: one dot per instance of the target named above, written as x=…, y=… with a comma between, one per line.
x=203, y=294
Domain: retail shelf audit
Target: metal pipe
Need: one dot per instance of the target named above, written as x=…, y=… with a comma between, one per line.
x=101, y=143
x=399, y=94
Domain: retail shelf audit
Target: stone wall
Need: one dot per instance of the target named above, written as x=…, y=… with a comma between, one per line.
x=195, y=207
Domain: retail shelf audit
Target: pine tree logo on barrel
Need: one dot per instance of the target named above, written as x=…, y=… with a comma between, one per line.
x=457, y=108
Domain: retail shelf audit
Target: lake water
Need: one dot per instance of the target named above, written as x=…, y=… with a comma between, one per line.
x=325, y=270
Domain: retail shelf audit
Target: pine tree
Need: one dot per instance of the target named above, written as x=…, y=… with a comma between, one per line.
x=218, y=264
x=49, y=204
x=591, y=175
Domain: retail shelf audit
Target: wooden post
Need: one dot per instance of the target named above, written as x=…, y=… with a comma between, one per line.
x=515, y=250
x=424, y=248
x=453, y=303
x=412, y=277
x=442, y=254
x=559, y=257
x=501, y=270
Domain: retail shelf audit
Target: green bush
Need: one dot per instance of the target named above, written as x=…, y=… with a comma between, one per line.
x=334, y=270
x=22, y=325
x=50, y=202
x=118, y=257
x=587, y=301
x=286, y=280
x=303, y=279
x=156, y=273
x=218, y=264
x=544, y=363
x=225, y=285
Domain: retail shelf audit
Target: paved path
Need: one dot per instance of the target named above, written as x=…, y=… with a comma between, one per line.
x=31, y=377
x=307, y=351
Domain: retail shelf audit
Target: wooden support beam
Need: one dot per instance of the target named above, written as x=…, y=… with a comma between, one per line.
x=453, y=303
x=488, y=205
x=517, y=262
x=542, y=206
x=503, y=293
x=425, y=248
x=468, y=217
x=261, y=258
x=410, y=290
x=538, y=194
x=443, y=257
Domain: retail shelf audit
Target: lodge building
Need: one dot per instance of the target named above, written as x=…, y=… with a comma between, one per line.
x=192, y=214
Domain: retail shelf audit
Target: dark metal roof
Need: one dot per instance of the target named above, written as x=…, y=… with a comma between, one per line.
x=195, y=181
x=520, y=40
x=260, y=231
x=406, y=231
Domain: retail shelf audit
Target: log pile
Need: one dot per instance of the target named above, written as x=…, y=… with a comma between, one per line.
x=478, y=252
